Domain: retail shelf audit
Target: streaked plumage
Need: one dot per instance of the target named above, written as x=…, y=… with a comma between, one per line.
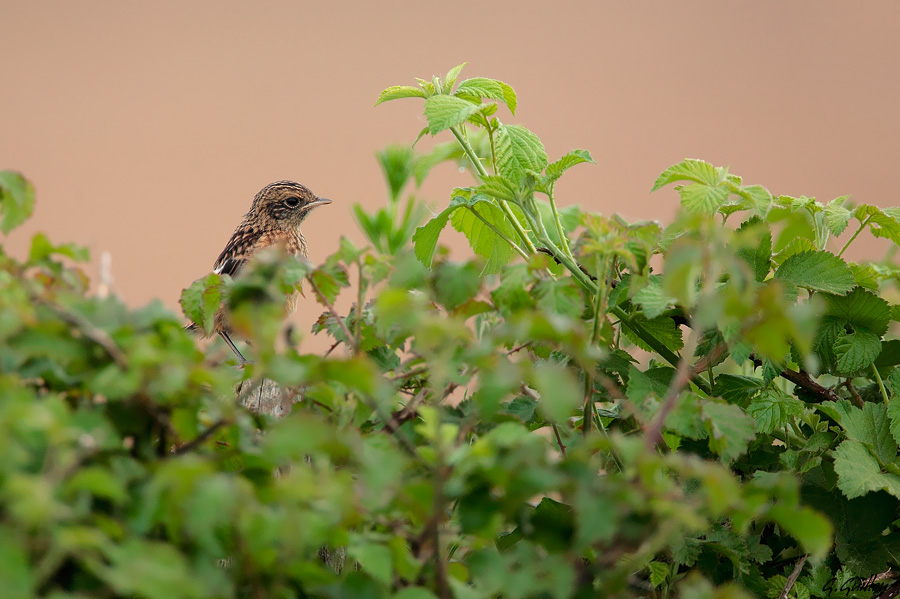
x=274, y=219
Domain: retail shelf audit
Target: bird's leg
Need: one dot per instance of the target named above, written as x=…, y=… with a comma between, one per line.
x=233, y=347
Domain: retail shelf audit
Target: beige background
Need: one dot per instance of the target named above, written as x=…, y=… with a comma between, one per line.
x=148, y=126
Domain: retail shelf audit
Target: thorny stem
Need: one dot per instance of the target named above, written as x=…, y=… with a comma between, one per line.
x=360, y=300
x=792, y=578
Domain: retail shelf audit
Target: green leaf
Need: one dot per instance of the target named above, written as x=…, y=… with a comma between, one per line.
x=497, y=187
x=856, y=351
x=492, y=89
x=562, y=296
x=860, y=309
x=737, y=389
x=201, y=300
x=729, y=428
x=758, y=258
x=41, y=248
x=149, y=569
x=880, y=223
x=811, y=528
x=894, y=414
x=756, y=198
x=836, y=216
x=426, y=237
x=479, y=221
x=15, y=571
x=859, y=473
x=374, y=559
x=700, y=198
x=798, y=245
x=559, y=392
x=556, y=169
x=452, y=76
x=16, y=200
x=865, y=276
x=662, y=328
x=820, y=270
x=399, y=91
x=691, y=170
x=871, y=426
x=444, y=112
x=653, y=299
x=456, y=283
x=659, y=571
x=773, y=409
x=519, y=151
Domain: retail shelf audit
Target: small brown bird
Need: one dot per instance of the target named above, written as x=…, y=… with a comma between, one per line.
x=273, y=220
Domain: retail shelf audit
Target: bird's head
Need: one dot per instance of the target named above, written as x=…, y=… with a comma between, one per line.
x=285, y=204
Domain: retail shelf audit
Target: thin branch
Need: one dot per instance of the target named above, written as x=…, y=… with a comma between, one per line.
x=201, y=438
x=792, y=578
x=332, y=348
x=407, y=375
x=684, y=372
x=87, y=328
x=519, y=348
x=324, y=301
x=803, y=380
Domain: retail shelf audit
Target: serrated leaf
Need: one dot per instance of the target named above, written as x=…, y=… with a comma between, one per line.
x=479, y=221
x=16, y=200
x=759, y=258
x=836, y=216
x=452, y=76
x=859, y=472
x=730, y=429
x=659, y=571
x=893, y=412
x=396, y=92
x=497, y=187
x=492, y=89
x=690, y=170
x=871, y=426
x=699, y=198
x=662, y=328
x=773, y=409
x=864, y=275
x=556, y=169
x=757, y=198
x=518, y=151
x=653, y=299
x=443, y=112
x=860, y=309
x=856, y=351
x=426, y=237
x=819, y=270
x=201, y=300
x=737, y=389
x=798, y=245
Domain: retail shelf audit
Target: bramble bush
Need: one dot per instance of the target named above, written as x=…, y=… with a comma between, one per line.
x=588, y=407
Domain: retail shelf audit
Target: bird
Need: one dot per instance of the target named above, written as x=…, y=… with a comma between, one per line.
x=273, y=220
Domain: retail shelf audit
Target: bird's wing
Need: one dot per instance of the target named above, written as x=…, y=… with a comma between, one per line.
x=236, y=251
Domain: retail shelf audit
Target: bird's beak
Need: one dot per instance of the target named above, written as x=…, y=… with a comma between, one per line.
x=318, y=202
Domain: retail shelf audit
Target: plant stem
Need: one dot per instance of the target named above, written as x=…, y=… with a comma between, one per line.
x=499, y=233
x=884, y=393
x=862, y=226
x=559, y=228
x=470, y=152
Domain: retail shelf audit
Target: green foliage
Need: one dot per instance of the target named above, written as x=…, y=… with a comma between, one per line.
x=551, y=418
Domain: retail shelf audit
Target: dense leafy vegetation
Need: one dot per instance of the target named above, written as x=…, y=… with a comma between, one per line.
x=588, y=407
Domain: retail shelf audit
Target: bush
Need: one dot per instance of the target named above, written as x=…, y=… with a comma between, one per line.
x=553, y=418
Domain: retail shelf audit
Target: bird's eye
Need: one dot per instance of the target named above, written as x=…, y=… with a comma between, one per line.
x=292, y=202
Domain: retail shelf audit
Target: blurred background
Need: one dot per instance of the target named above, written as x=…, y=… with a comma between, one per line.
x=147, y=127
